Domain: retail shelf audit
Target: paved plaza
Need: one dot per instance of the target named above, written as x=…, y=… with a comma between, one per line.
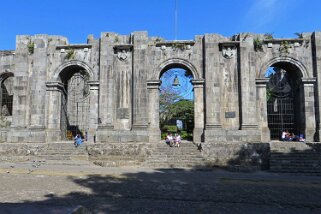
x=36, y=187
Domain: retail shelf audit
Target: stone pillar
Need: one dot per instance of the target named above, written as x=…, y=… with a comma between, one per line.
x=20, y=85
x=316, y=57
x=309, y=108
x=248, y=92
x=261, y=105
x=20, y=105
x=153, y=101
x=123, y=87
x=213, y=87
x=53, y=131
x=198, y=132
x=140, y=105
x=93, y=114
x=38, y=87
x=106, y=87
x=106, y=104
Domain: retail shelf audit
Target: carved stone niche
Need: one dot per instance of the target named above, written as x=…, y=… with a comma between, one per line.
x=122, y=51
x=229, y=49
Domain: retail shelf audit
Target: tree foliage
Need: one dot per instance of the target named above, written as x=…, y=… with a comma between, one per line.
x=174, y=106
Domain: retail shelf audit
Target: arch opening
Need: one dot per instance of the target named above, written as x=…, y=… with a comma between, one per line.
x=285, y=100
x=176, y=102
x=6, y=99
x=75, y=102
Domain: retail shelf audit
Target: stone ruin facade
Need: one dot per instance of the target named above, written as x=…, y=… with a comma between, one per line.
x=108, y=88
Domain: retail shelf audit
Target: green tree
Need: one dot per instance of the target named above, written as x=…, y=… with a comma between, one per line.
x=173, y=106
x=167, y=98
x=184, y=110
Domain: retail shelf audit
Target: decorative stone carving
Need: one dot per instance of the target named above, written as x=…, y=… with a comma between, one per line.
x=228, y=51
x=122, y=55
x=122, y=51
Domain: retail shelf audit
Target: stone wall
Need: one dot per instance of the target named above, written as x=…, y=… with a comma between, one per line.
x=233, y=154
x=124, y=76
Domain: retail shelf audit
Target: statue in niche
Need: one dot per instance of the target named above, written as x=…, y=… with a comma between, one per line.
x=5, y=111
x=228, y=52
x=5, y=120
x=122, y=55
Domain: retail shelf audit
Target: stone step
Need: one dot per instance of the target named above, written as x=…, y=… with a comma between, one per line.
x=295, y=157
x=182, y=145
x=173, y=160
x=39, y=163
x=175, y=165
x=188, y=157
x=61, y=157
x=61, y=152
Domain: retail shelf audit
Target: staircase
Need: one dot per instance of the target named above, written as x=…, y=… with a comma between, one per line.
x=295, y=157
x=63, y=153
x=184, y=156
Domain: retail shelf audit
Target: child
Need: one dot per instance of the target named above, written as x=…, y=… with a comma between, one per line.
x=177, y=140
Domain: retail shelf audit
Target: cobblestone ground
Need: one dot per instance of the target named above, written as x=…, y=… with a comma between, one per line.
x=26, y=188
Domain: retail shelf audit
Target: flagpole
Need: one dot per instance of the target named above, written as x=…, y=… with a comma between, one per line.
x=176, y=15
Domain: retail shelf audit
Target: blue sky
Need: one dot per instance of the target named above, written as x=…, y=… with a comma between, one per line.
x=76, y=19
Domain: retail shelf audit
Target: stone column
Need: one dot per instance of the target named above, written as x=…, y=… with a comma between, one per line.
x=93, y=114
x=53, y=131
x=153, y=100
x=106, y=87
x=38, y=88
x=309, y=107
x=20, y=85
x=213, y=87
x=248, y=92
x=316, y=57
x=22, y=64
x=261, y=105
x=140, y=106
x=198, y=132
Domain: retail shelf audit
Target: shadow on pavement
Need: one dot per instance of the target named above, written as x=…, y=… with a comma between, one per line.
x=182, y=191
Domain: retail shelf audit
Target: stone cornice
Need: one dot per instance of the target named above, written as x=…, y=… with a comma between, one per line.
x=197, y=83
x=7, y=52
x=53, y=86
x=123, y=47
x=229, y=43
x=311, y=80
x=261, y=81
x=74, y=46
x=276, y=41
x=173, y=43
x=153, y=84
x=94, y=85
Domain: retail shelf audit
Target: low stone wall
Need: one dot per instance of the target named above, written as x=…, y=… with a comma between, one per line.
x=119, y=154
x=20, y=151
x=252, y=156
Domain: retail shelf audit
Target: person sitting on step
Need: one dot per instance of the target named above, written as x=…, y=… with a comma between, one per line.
x=178, y=139
x=78, y=140
x=169, y=139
